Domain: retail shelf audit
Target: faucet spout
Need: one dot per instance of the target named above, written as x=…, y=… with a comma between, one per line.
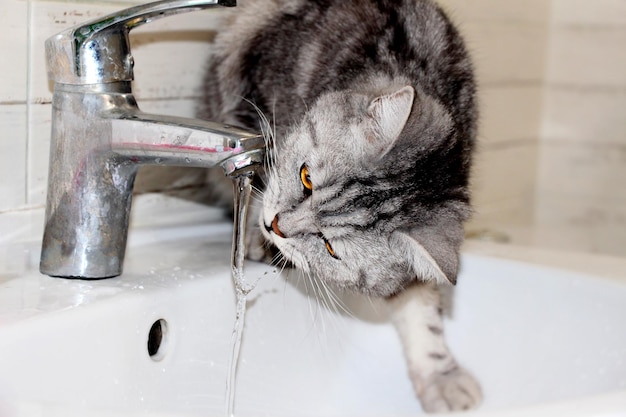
x=99, y=140
x=145, y=138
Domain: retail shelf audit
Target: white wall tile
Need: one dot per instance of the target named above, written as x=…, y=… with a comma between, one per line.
x=588, y=56
x=509, y=112
x=585, y=114
x=12, y=156
x=503, y=182
x=580, y=224
x=21, y=226
x=171, y=54
x=589, y=170
x=504, y=213
x=38, y=152
x=581, y=196
x=506, y=52
x=497, y=10
x=597, y=12
x=13, y=44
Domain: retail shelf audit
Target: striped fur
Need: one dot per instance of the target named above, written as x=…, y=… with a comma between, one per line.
x=373, y=103
x=313, y=67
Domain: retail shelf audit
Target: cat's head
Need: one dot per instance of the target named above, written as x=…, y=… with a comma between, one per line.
x=369, y=192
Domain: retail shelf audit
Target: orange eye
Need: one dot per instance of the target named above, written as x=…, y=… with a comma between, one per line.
x=330, y=249
x=306, y=179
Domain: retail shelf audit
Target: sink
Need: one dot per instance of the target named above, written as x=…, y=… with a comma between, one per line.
x=156, y=341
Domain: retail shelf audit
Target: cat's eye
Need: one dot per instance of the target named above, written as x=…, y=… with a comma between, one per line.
x=305, y=178
x=330, y=249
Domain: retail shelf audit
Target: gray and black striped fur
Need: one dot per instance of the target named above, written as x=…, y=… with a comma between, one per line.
x=299, y=61
x=376, y=99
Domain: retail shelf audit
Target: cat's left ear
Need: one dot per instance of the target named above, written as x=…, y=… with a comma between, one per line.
x=390, y=113
x=433, y=253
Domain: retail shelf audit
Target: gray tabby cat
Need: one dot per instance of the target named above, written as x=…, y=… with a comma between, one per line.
x=373, y=105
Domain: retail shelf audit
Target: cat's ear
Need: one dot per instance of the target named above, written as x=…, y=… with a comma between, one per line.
x=433, y=253
x=390, y=113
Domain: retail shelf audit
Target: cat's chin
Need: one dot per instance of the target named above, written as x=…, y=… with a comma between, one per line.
x=290, y=254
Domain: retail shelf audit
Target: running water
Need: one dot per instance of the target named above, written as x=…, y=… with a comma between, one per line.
x=243, y=189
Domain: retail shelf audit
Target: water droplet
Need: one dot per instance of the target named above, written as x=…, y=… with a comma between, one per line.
x=187, y=160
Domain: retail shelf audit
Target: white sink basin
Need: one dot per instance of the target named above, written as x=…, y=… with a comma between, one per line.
x=549, y=339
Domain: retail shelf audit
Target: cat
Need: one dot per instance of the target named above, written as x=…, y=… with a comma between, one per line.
x=373, y=112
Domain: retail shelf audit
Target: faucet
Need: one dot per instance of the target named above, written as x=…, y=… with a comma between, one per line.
x=100, y=138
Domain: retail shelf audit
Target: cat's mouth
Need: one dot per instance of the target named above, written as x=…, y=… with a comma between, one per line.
x=290, y=252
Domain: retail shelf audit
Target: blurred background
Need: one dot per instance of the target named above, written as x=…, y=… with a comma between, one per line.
x=550, y=170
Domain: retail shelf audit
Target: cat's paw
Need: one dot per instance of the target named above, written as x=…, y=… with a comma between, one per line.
x=454, y=390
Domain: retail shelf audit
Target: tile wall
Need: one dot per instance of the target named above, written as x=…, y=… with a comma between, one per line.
x=542, y=159
x=165, y=83
x=581, y=187
x=508, y=43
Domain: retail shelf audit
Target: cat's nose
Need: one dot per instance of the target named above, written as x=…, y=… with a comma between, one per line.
x=274, y=227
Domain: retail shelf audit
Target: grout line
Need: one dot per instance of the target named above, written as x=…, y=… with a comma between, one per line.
x=590, y=26
x=166, y=98
x=511, y=83
x=23, y=209
x=13, y=103
x=592, y=143
x=506, y=144
x=29, y=80
x=585, y=88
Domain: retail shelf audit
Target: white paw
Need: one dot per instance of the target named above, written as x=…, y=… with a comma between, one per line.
x=454, y=390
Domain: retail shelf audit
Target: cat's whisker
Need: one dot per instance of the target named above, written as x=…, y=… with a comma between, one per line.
x=257, y=199
x=305, y=280
x=277, y=258
x=320, y=302
x=268, y=131
x=340, y=306
x=330, y=315
x=257, y=196
x=314, y=308
x=374, y=306
x=274, y=129
x=340, y=310
x=284, y=266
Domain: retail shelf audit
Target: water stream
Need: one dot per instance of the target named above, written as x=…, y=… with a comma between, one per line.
x=243, y=189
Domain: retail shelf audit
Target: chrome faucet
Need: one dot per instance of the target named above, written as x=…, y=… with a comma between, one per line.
x=100, y=138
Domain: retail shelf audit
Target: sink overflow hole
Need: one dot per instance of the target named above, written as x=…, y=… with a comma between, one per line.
x=157, y=338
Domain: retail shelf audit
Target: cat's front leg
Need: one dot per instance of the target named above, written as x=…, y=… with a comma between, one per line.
x=439, y=382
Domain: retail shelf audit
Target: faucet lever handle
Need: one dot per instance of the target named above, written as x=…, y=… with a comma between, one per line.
x=75, y=56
